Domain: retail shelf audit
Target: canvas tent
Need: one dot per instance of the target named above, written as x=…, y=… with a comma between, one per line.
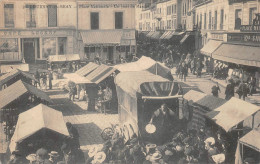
x=15, y=75
x=77, y=79
x=146, y=64
x=251, y=139
x=232, y=113
x=87, y=69
x=135, y=89
x=200, y=104
x=37, y=119
x=18, y=89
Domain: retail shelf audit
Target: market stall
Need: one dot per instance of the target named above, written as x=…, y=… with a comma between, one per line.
x=87, y=69
x=15, y=75
x=142, y=93
x=46, y=130
x=250, y=146
x=196, y=105
x=148, y=64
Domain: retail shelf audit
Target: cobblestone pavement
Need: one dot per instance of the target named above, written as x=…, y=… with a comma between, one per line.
x=89, y=124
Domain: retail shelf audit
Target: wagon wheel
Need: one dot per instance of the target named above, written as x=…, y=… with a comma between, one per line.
x=107, y=133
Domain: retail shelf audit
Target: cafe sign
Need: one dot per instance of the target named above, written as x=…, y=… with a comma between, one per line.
x=255, y=27
x=32, y=33
x=249, y=38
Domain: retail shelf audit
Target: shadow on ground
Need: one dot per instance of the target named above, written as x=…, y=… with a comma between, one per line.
x=89, y=134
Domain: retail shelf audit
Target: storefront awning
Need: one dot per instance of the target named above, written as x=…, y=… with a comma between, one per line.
x=35, y=119
x=100, y=73
x=150, y=34
x=238, y=54
x=63, y=58
x=105, y=37
x=156, y=35
x=185, y=38
x=165, y=34
x=84, y=71
x=173, y=33
x=251, y=139
x=232, y=113
x=16, y=90
x=210, y=47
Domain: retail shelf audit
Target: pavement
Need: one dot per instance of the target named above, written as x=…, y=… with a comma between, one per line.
x=205, y=83
x=89, y=124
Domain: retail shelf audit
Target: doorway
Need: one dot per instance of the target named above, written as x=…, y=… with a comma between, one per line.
x=110, y=53
x=30, y=49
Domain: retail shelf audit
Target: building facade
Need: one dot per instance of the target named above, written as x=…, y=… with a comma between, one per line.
x=33, y=30
x=106, y=29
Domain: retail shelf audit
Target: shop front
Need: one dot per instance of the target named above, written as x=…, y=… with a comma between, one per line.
x=108, y=46
x=30, y=46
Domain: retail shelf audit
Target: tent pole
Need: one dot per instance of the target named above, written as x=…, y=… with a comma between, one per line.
x=253, y=120
x=242, y=156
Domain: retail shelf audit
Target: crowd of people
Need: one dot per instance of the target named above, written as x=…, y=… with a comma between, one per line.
x=42, y=78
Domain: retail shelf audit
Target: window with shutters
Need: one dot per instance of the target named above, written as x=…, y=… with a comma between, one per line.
x=252, y=15
x=205, y=21
x=94, y=20
x=9, y=15
x=209, y=21
x=52, y=16
x=216, y=20
x=221, y=19
x=30, y=16
x=119, y=20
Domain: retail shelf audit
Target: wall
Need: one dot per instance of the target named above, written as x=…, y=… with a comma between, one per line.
x=106, y=14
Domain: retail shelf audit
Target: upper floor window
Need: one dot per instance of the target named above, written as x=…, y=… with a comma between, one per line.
x=252, y=15
x=169, y=10
x=30, y=16
x=200, y=25
x=52, y=16
x=238, y=17
x=221, y=19
x=205, y=21
x=209, y=20
x=216, y=20
x=94, y=20
x=119, y=20
x=9, y=15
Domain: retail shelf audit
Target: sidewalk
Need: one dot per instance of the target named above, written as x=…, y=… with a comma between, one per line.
x=205, y=83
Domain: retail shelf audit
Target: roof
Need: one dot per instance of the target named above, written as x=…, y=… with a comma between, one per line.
x=9, y=76
x=208, y=102
x=146, y=63
x=145, y=83
x=77, y=78
x=93, y=37
x=100, y=73
x=232, y=113
x=251, y=139
x=16, y=90
x=84, y=71
x=28, y=124
x=63, y=58
x=210, y=47
x=236, y=54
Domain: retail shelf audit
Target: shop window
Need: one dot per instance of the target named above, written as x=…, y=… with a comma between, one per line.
x=52, y=15
x=122, y=49
x=92, y=49
x=9, y=15
x=118, y=20
x=127, y=48
x=48, y=47
x=94, y=20
x=30, y=16
x=62, y=42
x=9, y=49
x=118, y=48
x=105, y=49
x=238, y=17
x=252, y=15
x=87, y=52
x=221, y=19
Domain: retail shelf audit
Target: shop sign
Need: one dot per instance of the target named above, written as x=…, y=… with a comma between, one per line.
x=39, y=33
x=253, y=38
x=217, y=36
x=238, y=1
x=252, y=28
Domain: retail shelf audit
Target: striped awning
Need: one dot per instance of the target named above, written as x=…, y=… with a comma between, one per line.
x=18, y=89
x=165, y=34
x=150, y=34
x=105, y=37
x=87, y=69
x=156, y=35
x=100, y=73
x=173, y=33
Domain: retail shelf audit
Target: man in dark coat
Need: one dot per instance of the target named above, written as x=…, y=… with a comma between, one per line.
x=215, y=89
x=230, y=91
x=74, y=135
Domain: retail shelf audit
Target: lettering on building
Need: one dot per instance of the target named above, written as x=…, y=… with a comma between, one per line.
x=251, y=38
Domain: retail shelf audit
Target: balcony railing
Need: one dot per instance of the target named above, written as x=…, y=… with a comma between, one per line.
x=9, y=24
x=30, y=24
